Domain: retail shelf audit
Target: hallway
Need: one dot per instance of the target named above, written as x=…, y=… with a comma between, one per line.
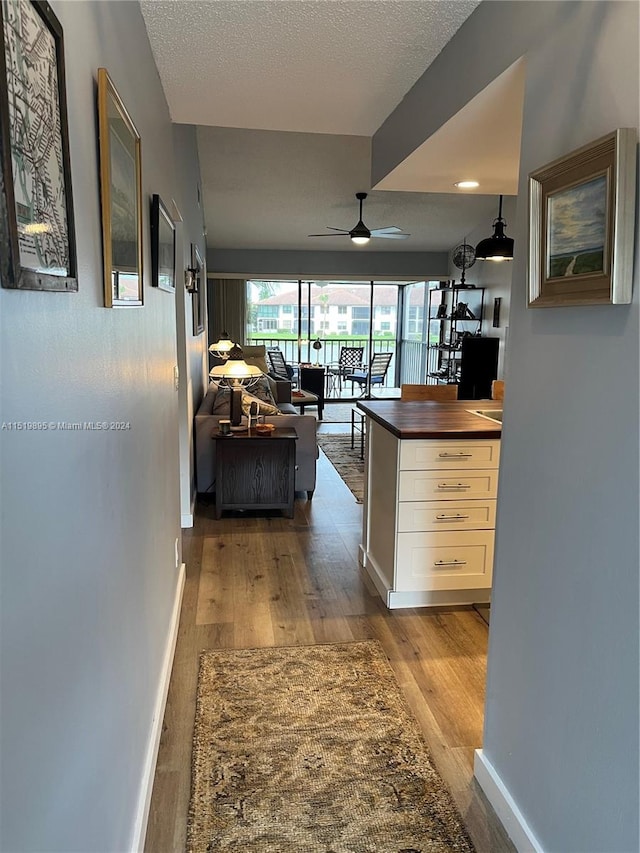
x=263, y=581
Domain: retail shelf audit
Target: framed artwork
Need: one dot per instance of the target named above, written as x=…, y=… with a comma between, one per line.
x=199, y=293
x=581, y=225
x=121, y=198
x=163, y=247
x=37, y=235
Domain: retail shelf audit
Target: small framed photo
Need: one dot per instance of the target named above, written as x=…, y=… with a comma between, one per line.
x=199, y=293
x=121, y=198
x=581, y=225
x=163, y=247
x=37, y=235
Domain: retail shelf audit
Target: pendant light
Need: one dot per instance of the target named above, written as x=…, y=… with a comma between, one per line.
x=498, y=247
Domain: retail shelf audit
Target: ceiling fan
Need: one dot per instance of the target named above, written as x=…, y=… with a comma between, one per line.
x=361, y=234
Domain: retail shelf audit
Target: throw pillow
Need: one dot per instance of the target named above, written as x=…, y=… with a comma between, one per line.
x=263, y=408
x=262, y=390
x=222, y=401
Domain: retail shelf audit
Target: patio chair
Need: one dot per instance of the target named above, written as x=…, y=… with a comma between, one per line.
x=350, y=359
x=278, y=366
x=375, y=374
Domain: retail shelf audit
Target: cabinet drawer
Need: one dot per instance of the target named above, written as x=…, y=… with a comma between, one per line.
x=447, y=485
x=417, y=516
x=448, y=560
x=438, y=455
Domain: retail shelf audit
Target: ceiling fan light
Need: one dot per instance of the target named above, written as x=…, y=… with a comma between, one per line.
x=466, y=185
x=360, y=240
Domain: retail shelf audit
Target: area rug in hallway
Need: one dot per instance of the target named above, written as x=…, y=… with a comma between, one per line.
x=346, y=461
x=310, y=749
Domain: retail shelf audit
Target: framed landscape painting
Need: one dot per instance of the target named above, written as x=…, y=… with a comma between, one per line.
x=581, y=225
x=37, y=236
x=199, y=293
x=163, y=247
x=121, y=198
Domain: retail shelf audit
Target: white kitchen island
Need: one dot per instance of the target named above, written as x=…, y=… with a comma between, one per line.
x=431, y=479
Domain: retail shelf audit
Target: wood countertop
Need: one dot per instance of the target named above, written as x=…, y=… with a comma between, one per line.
x=426, y=419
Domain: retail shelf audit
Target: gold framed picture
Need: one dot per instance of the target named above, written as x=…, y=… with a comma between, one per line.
x=581, y=225
x=121, y=198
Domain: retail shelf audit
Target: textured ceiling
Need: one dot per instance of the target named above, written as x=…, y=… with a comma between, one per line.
x=318, y=66
x=286, y=95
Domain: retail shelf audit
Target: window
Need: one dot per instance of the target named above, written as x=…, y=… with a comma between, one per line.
x=265, y=325
x=267, y=310
x=287, y=309
x=385, y=327
x=342, y=309
x=362, y=313
x=385, y=309
x=342, y=327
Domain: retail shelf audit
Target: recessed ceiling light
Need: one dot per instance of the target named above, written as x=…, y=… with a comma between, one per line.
x=466, y=185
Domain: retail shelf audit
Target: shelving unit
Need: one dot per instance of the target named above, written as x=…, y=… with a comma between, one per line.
x=455, y=312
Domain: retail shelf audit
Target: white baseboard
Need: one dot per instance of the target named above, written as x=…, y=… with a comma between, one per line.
x=149, y=769
x=186, y=518
x=437, y=598
x=504, y=805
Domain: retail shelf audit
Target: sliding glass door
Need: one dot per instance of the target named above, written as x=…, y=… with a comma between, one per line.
x=330, y=323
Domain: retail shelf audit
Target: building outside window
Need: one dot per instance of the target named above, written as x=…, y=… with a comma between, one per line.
x=267, y=325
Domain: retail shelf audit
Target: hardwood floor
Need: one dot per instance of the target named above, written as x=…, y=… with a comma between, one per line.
x=266, y=580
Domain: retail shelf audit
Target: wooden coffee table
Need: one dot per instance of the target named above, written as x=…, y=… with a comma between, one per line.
x=255, y=471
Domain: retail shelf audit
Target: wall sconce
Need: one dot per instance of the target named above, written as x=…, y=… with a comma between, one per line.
x=191, y=279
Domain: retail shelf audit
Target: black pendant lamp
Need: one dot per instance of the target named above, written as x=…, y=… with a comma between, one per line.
x=498, y=247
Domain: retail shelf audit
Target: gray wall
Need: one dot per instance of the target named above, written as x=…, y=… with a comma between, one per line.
x=254, y=263
x=89, y=519
x=561, y=726
x=192, y=361
x=562, y=719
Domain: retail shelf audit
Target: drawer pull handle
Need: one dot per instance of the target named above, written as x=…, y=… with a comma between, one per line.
x=455, y=455
x=439, y=563
x=456, y=517
x=455, y=486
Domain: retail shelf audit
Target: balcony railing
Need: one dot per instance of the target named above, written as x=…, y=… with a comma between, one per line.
x=329, y=354
x=413, y=355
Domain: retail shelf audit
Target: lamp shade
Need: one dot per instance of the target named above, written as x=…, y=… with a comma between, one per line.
x=235, y=370
x=498, y=247
x=223, y=347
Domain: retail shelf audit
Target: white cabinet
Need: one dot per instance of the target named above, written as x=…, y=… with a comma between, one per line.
x=429, y=518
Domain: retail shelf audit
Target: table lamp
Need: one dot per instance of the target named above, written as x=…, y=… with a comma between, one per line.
x=223, y=347
x=235, y=373
x=317, y=347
